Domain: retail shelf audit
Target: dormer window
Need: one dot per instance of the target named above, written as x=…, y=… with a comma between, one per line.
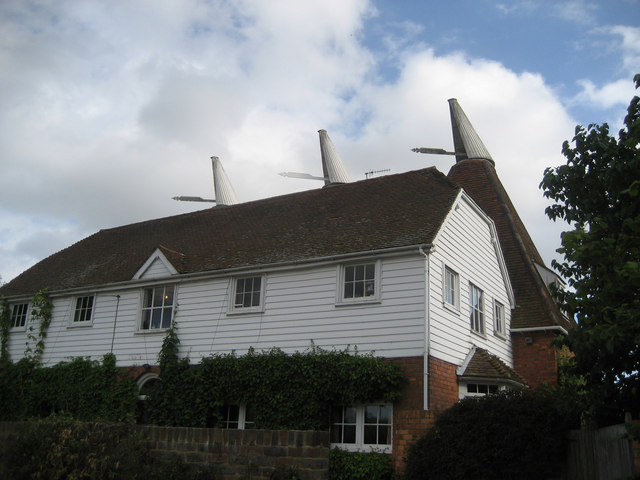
x=157, y=307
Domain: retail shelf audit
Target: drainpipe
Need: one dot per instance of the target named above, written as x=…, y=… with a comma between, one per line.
x=426, y=329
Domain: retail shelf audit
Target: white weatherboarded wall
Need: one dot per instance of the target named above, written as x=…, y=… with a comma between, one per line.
x=300, y=310
x=465, y=244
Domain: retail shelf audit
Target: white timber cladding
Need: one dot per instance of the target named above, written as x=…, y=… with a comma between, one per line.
x=466, y=245
x=300, y=307
x=299, y=310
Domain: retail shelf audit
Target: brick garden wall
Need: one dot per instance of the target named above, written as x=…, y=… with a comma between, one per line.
x=239, y=454
x=236, y=454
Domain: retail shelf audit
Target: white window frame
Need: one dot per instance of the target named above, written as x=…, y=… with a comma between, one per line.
x=342, y=279
x=465, y=387
x=143, y=308
x=477, y=320
x=243, y=423
x=237, y=310
x=449, y=272
x=75, y=308
x=24, y=315
x=499, y=319
x=360, y=425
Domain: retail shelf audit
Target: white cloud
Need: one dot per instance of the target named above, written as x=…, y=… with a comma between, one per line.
x=581, y=12
x=109, y=112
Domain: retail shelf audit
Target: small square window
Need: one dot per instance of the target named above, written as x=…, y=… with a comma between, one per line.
x=157, y=307
x=359, y=283
x=476, y=309
x=248, y=294
x=19, y=313
x=499, y=321
x=84, y=310
x=451, y=288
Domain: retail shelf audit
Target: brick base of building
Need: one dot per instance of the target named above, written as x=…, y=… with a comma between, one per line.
x=410, y=419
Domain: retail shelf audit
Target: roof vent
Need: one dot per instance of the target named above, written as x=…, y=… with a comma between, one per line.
x=225, y=195
x=466, y=141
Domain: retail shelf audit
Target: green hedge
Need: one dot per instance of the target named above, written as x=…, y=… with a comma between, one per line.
x=345, y=465
x=508, y=436
x=287, y=391
x=83, y=389
x=58, y=448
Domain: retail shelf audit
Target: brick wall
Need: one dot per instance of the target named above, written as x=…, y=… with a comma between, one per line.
x=236, y=454
x=244, y=453
x=535, y=358
x=410, y=420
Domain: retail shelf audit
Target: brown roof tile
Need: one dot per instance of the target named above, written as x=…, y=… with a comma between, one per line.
x=384, y=212
x=485, y=365
x=534, y=305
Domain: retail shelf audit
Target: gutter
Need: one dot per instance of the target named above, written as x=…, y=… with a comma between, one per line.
x=181, y=277
x=427, y=332
x=540, y=329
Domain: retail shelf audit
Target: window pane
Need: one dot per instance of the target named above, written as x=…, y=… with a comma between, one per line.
x=359, y=272
x=146, y=319
x=156, y=316
x=385, y=414
x=168, y=296
x=371, y=414
x=370, y=434
x=349, y=434
x=359, y=290
x=158, y=294
x=384, y=435
x=148, y=297
x=348, y=290
x=370, y=270
x=369, y=288
x=349, y=274
x=166, y=317
x=350, y=415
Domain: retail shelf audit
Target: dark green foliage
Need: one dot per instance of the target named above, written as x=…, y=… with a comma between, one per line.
x=345, y=465
x=82, y=389
x=59, y=448
x=598, y=193
x=287, y=391
x=507, y=436
x=5, y=324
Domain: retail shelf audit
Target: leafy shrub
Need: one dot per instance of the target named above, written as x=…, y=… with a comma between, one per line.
x=508, y=436
x=59, y=448
x=287, y=391
x=345, y=465
x=83, y=389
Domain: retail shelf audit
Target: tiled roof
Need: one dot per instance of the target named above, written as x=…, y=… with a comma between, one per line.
x=384, y=212
x=534, y=305
x=485, y=365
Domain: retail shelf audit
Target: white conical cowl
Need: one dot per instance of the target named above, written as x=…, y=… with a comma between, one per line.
x=224, y=193
x=466, y=141
x=332, y=167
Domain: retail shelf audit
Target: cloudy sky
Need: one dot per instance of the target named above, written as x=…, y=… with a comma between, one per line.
x=110, y=108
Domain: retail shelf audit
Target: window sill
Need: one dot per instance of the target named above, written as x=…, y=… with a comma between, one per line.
x=245, y=311
x=352, y=303
x=350, y=447
x=153, y=331
x=80, y=325
x=452, y=308
x=479, y=334
x=501, y=336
